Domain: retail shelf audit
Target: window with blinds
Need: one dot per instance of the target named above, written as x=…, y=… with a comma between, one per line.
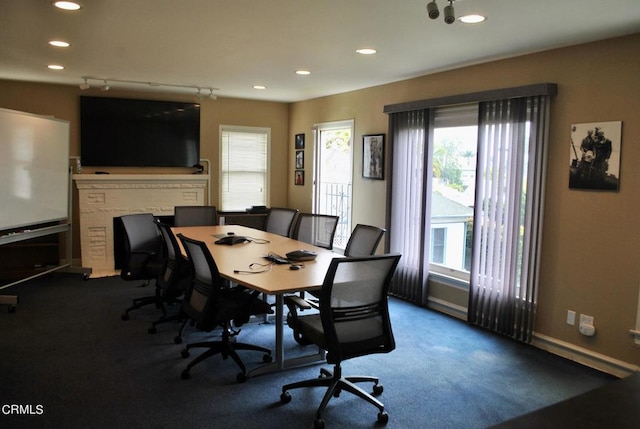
x=244, y=167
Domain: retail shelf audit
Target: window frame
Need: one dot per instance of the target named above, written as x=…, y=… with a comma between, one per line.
x=225, y=129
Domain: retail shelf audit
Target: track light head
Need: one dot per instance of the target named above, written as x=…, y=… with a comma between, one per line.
x=449, y=13
x=105, y=87
x=84, y=85
x=432, y=10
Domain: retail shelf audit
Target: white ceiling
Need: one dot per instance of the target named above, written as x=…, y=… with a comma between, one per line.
x=233, y=44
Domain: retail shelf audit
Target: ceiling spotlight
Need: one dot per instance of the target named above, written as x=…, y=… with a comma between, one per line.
x=303, y=72
x=472, y=19
x=55, y=67
x=67, y=5
x=449, y=13
x=59, y=43
x=211, y=96
x=432, y=10
x=105, y=87
x=366, y=51
x=84, y=85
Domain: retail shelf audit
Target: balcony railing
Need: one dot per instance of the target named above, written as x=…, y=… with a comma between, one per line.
x=335, y=199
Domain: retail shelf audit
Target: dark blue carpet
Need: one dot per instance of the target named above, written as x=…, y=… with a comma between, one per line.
x=68, y=361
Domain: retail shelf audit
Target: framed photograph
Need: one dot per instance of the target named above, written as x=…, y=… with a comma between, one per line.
x=299, y=159
x=299, y=141
x=299, y=179
x=373, y=156
x=594, y=156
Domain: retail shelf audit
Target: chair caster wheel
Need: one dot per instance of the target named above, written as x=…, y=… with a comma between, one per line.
x=241, y=377
x=285, y=397
x=383, y=417
x=177, y=340
x=185, y=374
x=124, y=316
x=185, y=353
x=267, y=358
x=378, y=389
x=318, y=424
x=152, y=330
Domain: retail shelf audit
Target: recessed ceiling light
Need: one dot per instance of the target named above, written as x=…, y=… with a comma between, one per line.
x=55, y=67
x=472, y=19
x=366, y=51
x=67, y=5
x=59, y=43
x=259, y=87
x=303, y=72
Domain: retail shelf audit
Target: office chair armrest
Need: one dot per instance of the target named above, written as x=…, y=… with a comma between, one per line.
x=298, y=302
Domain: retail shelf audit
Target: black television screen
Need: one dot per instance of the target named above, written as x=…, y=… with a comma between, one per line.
x=138, y=133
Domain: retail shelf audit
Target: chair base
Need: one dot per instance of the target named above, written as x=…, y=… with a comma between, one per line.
x=227, y=349
x=335, y=384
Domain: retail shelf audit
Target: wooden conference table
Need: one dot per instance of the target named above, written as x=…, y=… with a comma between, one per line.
x=233, y=264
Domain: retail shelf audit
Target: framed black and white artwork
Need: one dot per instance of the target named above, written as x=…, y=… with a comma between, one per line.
x=594, y=156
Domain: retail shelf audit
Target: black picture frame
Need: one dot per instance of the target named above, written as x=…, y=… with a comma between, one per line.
x=299, y=159
x=373, y=156
x=299, y=178
x=299, y=141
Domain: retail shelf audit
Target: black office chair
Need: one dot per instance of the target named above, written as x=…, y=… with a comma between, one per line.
x=195, y=216
x=143, y=256
x=316, y=229
x=353, y=321
x=174, y=279
x=211, y=303
x=280, y=221
x=363, y=241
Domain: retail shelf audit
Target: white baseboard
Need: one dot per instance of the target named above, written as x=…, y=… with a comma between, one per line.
x=557, y=347
x=583, y=356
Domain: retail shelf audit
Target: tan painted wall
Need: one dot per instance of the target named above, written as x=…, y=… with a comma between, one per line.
x=591, y=249
x=63, y=101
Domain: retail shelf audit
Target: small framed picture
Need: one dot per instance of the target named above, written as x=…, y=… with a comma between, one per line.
x=373, y=156
x=299, y=141
x=299, y=159
x=299, y=179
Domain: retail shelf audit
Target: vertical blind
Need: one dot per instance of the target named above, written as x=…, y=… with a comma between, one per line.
x=409, y=206
x=244, y=160
x=512, y=145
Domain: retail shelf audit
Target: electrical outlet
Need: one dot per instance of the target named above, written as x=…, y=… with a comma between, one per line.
x=586, y=320
x=571, y=317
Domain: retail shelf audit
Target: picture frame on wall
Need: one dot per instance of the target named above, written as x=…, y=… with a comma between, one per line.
x=594, y=156
x=299, y=159
x=299, y=141
x=299, y=177
x=373, y=156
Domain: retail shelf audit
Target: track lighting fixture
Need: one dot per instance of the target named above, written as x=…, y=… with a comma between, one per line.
x=449, y=13
x=432, y=10
x=200, y=91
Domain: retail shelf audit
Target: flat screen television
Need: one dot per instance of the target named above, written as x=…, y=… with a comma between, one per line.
x=138, y=133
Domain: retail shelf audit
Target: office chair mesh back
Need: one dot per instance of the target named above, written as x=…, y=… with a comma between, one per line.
x=206, y=281
x=353, y=307
x=316, y=229
x=364, y=240
x=175, y=276
x=195, y=216
x=280, y=220
x=143, y=247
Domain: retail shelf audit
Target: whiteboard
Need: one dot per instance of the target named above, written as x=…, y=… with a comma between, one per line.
x=34, y=169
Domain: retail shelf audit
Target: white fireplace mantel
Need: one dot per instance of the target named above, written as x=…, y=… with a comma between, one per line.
x=102, y=197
